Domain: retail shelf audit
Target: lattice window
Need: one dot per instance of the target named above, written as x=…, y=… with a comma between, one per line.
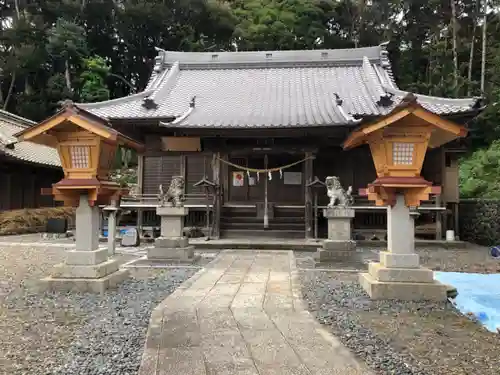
x=80, y=156
x=402, y=153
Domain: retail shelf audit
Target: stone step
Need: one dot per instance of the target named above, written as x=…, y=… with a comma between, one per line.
x=254, y=219
x=254, y=233
x=260, y=226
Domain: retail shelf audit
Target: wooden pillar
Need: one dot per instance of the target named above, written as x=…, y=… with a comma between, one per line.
x=139, y=222
x=439, y=219
x=308, y=172
x=140, y=173
x=217, y=201
x=8, y=192
x=456, y=218
x=183, y=171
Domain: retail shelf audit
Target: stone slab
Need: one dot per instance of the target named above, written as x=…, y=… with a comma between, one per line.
x=391, y=260
x=434, y=291
x=339, y=245
x=339, y=212
x=177, y=253
x=96, y=271
x=242, y=326
x=329, y=256
x=86, y=258
x=334, y=250
x=84, y=285
x=172, y=211
x=172, y=242
x=339, y=228
x=415, y=275
x=171, y=226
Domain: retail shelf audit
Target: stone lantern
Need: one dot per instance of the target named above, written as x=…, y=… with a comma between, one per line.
x=398, y=144
x=86, y=145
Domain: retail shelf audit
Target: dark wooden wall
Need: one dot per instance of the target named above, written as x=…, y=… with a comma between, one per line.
x=21, y=184
x=354, y=168
x=159, y=169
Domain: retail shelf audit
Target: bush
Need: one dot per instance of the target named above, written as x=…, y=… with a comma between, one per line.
x=479, y=221
x=479, y=173
x=31, y=220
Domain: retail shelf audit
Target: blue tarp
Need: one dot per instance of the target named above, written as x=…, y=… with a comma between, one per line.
x=105, y=232
x=478, y=294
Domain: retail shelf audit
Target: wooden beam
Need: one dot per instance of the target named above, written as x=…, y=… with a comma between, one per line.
x=308, y=176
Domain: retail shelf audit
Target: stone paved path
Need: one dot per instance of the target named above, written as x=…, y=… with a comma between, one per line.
x=242, y=315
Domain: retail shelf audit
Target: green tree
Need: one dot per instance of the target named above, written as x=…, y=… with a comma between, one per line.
x=272, y=24
x=93, y=80
x=67, y=45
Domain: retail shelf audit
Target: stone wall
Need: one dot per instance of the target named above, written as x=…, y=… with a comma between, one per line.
x=480, y=221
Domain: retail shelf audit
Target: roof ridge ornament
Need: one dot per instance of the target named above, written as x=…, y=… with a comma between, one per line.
x=375, y=85
x=192, y=105
x=149, y=103
x=350, y=119
x=338, y=100
x=159, y=59
x=386, y=100
x=66, y=103
x=384, y=55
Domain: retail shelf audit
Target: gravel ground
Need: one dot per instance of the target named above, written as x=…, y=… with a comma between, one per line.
x=475, y=259
x=396, y=337
x=74, y=333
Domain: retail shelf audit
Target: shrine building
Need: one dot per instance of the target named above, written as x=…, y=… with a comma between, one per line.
x=262, y=126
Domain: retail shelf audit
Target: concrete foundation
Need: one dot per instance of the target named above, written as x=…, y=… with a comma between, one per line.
x=88, y=268
x=398, y=275
x=339, y=245
x=172, y=245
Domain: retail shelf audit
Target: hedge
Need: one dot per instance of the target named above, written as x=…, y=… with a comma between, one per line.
x=480, y=221
x=31, y=220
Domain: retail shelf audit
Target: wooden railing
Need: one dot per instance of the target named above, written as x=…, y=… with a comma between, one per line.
x=369, y=217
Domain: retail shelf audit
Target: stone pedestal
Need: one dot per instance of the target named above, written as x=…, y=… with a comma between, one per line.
x=398, y=275
x=87, y=268
x=172, y=245
x=339, y=245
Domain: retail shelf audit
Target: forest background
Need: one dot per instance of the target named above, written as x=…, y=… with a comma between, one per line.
x=92, y=50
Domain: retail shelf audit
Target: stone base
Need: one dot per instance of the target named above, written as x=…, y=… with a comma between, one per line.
x=84, y=284
x=97, y=271
x=391, y=260
x=171, y=242
x=407, y=291
x=333, y=250
x=336, y=250
x=86, y=258
x=184, y=254
x=405, y=275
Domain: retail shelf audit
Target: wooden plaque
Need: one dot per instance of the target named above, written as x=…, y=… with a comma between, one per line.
x=180, y=144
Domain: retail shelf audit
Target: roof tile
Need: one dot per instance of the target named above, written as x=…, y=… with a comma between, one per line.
x=25, y=151
x=270, y=89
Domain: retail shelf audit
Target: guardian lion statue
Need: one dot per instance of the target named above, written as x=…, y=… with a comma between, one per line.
x=338, y=196
x=174, y=196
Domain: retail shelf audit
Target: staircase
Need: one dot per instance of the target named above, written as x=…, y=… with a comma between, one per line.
x=242, y=222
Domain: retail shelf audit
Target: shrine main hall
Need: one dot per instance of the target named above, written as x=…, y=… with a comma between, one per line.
x=254, y=133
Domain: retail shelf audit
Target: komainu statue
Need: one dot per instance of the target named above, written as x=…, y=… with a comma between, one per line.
x=338, y=196
x=174, y=196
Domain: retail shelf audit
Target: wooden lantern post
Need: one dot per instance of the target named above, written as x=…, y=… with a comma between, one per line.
x=86, y=145
x=209, y=187
x=398, y=144
x=315, y=185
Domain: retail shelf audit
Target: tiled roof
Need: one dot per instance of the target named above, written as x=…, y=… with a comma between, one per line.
x=270, y=89
x=26, y=151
